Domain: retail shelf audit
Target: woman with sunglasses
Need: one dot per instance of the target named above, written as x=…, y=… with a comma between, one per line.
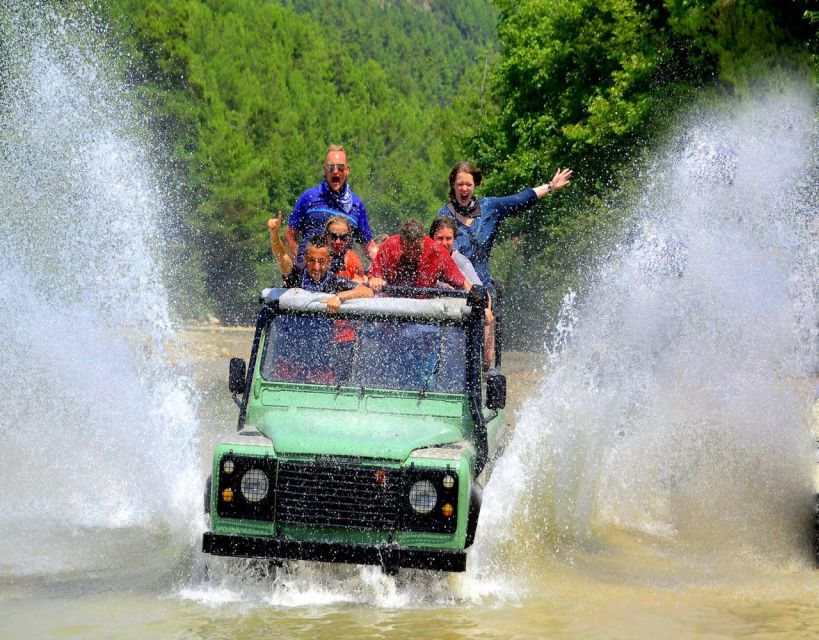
x=343, y=260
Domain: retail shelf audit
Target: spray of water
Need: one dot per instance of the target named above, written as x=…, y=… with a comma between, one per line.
x=675, y=403
x=98, y=433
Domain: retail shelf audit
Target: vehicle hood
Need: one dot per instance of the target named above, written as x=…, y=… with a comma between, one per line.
x=366, y=435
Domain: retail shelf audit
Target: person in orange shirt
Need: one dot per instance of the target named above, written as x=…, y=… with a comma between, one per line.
x=343, y=260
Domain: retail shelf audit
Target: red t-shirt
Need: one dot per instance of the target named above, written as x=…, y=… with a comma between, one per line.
x=434, y=264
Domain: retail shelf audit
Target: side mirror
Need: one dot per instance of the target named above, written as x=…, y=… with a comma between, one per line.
x=237, y=375
x=495, y=390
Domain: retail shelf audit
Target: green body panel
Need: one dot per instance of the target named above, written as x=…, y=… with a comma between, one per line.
x=388, y=425
x=460, y=459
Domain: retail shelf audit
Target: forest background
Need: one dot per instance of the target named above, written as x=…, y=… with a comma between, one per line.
x=243, y=96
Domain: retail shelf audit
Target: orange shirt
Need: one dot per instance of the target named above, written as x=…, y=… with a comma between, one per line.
x=353, y=270
x=353, y=267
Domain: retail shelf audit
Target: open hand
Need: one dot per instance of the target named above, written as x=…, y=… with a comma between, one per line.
x=560, y=179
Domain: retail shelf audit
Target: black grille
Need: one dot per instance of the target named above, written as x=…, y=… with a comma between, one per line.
x=338, y=496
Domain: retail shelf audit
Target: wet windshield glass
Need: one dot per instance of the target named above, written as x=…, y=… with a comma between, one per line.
x=365, y=352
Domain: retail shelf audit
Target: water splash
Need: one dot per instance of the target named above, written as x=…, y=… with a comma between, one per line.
x=253, y=584
x=98, y=432
x=676, y=400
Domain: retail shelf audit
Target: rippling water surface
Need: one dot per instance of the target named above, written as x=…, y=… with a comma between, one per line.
x=660, y=478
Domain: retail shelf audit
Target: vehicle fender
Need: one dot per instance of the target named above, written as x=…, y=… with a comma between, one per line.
x=208, y=484
x=475, y=499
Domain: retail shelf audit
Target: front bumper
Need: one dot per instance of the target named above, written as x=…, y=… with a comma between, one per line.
x=388, y=556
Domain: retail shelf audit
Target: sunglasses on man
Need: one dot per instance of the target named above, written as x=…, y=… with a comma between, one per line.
x=335, y=167
x=338, y=236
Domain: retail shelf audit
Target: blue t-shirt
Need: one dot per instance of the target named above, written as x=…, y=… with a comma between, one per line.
x=475, y=241
x=317, y=205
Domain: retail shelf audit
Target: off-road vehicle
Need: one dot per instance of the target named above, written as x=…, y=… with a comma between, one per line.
x=364, y=436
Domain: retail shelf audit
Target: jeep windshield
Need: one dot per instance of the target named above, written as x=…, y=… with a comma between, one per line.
x=365, y=352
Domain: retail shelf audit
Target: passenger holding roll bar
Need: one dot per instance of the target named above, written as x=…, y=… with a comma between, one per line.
x=411, y=259
x=315, y=275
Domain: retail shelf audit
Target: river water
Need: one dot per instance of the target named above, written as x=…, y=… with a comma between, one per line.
x=659, y=481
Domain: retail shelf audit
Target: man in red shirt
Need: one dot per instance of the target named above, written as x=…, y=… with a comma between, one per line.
x=410, y=259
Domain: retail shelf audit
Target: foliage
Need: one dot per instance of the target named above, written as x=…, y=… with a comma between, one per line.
x=588, y=84
x=248, y=93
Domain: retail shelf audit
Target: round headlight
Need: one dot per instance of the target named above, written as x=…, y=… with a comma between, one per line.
x=254, y=485
x=422, y=496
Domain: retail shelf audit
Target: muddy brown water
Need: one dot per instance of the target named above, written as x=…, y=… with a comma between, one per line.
x=624, y=584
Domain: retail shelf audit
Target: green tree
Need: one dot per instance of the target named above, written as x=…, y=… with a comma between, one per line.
x=588, y=84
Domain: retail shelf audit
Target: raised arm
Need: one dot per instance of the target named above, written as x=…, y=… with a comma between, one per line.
x=291, y=240
x=276, y=246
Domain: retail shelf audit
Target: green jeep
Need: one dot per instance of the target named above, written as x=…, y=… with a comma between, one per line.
x=364, y=436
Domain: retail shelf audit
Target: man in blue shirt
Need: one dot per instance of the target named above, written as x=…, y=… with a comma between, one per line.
x=331, y=198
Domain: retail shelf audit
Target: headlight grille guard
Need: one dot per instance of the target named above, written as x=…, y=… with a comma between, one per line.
x=238, y=506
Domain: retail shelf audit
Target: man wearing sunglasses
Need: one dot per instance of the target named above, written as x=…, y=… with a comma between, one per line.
x=330, y=198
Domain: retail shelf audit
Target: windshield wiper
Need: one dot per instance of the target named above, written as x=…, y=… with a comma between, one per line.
x=429, y=378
